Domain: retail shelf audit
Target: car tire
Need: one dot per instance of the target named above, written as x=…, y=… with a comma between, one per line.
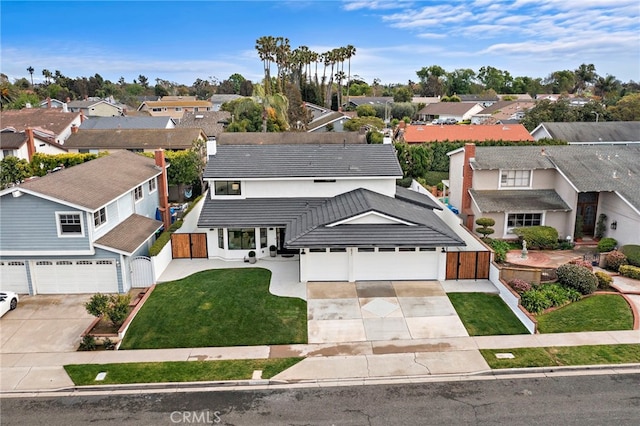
x=13, y=304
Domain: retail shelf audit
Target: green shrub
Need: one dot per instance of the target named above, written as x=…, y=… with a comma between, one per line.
x=535, y=301
x=607, y=244
x=485, y=226
x=630, y=271
x=115, y=307
x=500, y=248
x=583, y=263
x=632, y=252
x=578, y=231
x=108, y=344
x=604, y=280
x=559, y=295
x=614, y=260
x=577, y=277
x=565, y=245
x=164, y=238
x=88, y=343
x=538, y=237
x=601, y=226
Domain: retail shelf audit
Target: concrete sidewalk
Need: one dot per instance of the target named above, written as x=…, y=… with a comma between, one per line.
x=34, y=372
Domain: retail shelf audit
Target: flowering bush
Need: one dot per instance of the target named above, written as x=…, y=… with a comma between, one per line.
x=519, y=286
x=577, y=277
x=615, y=260
x=583, y=263
x=630, y=271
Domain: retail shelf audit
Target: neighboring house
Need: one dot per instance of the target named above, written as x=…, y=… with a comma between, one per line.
x=136, y=140
x=290, y=138
x=53, y=123
x=356, y=101
x=550, y=185
x=503, y=111
x=516, y=96
x=484, y=100
x=218, y=100
x=127, y=122
x=608, y=132
x=85, y=225
x=441, y=133
x=212, y=123
x=460, y=111
x=425, y=100
x=26, y=143
x=332, y=121
x=52, y=103
x=175, y=106
x=337, y=206
x=95, y=108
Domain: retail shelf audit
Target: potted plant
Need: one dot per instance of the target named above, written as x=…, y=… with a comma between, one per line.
x=273, y=250
x=252, y=257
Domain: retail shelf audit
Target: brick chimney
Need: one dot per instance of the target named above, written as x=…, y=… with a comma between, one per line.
x=74, y=128
x=48, y=102
x=31, y=146
x=163, y=189
x=467, y=183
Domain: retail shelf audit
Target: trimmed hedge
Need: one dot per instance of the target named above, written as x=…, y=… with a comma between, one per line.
x=604, y=280
x=577, y=277
x=614, y=260
x=547, y=296
x=630, y=271
x=607, y=244
x=538, y=237
x=632, y=251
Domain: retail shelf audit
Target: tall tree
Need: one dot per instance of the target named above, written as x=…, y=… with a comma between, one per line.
x=31, y=70
x=607, y=87
x=584, y=75
x=351, y=52
x=459, y=81
x=47, y=75
x=432, y=80
x=266, y=47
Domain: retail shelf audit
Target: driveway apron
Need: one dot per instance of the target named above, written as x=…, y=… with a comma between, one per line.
x=380, y=310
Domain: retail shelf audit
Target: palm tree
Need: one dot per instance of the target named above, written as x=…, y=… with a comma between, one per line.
x=351, y=51
x=606, y=85
x=31, y=70
x=266, y=47
x=584, y=74
x=282, y=55
x=47, y=75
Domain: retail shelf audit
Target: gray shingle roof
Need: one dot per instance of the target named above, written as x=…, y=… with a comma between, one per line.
x=519, y=200
x=211, y=122
x=97, y=182
x=590, y=168
x=611, y=131
x=273, y=161
x=289, y=138
x=130, y=234
x=125, y=122
x=174, y=139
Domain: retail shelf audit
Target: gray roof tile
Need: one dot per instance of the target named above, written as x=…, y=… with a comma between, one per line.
x=124, y=122
x=519, y=200
x=608, y=131
x=273, y=161
x=130, y=234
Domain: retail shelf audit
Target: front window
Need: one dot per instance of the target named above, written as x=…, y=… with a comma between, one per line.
x=228, y=187
x=515, y=178
x=152, y=185
x=137, y=193
x=70, y=224
x=263, y=237
x=100, y=217
x=242, y=239
x=221, y=238
x=519, y=220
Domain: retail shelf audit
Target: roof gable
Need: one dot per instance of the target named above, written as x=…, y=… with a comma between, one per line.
x=51, y=119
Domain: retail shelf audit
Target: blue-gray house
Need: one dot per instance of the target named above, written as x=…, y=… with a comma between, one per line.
x=78, y=230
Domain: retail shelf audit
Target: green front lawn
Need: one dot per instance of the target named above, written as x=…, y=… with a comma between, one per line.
x=222, y=307
x=599, y=312
x=563, y=356
x=486, y=314
x=180, y=371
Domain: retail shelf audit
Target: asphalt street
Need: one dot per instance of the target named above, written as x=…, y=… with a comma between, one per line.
x=569, y=400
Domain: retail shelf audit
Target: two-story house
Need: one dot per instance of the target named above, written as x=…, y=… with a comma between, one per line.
x=335, y=206
x=175, y=106
x=78, y=230
x=551, y=185
x=136, y=140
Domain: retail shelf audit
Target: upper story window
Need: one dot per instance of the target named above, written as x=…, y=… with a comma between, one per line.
x=515, y=178
x=156, y=109
x=137, y=193
x=228, y=187
x=69, y=225
x=100, y=217
x=178, y=108
x=152, y=185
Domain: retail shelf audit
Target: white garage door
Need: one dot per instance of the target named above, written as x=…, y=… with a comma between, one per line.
x=13, y=277
x=75, y=276
x=395, y=265
x=326, y=266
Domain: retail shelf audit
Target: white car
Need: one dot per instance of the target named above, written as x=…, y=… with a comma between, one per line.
x=8, y=301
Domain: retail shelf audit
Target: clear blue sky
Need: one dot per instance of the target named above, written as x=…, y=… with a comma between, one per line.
x=183, y=41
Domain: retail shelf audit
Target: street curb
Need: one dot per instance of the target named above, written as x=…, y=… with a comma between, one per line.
x=498, y=374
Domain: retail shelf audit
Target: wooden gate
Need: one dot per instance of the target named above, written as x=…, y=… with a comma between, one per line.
x=189, y=246
x=468, y=265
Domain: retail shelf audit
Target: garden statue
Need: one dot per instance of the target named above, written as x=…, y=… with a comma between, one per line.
x=524, y=249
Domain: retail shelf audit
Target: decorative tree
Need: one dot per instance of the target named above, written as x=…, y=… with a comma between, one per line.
x=601, y=226
x=486, y=223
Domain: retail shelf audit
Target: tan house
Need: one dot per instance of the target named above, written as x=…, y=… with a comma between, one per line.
x=136, y=140
x=552, y=185
x=175, y=106
x=95, y=108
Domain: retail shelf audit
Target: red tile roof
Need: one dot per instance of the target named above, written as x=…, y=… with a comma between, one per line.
x=479, y=133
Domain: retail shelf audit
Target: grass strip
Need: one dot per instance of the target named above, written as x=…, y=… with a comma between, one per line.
x=177, y=371
x=486, y=314
x=564, y=356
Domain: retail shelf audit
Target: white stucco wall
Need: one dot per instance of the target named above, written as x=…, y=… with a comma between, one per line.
x=456, y=161
x=627, y=219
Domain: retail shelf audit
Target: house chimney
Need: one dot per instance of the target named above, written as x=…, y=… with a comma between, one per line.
x=48, y=102
x=467, y=182
x=82, y=117
x=163, y=189
x=74, y=128
x=212, y=147
x=31, y=146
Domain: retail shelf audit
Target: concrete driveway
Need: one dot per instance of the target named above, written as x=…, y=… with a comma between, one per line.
x=45, y=323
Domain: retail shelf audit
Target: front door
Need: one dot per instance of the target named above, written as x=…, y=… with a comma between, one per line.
x=587, y=208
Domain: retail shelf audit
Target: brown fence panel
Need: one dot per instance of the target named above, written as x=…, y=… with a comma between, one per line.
x=181, y=246
x=198, y=246
x=482, y=268
x=452, y=265
x=468, y=265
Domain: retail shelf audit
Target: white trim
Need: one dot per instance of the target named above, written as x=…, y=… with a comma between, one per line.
x=369, y=213
x=106, y=218
x=48, y=253
x=155, y=185
x=137, y=200
x=528, y=186
x=306, y=178
x=59, y=227
x=506, y=220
